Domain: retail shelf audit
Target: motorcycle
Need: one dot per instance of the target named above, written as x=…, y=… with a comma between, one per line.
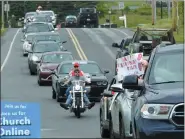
x=77, y=94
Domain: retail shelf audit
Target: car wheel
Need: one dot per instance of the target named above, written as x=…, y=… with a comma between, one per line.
x=103, y=132
x=25, y=54
x=121, y=129
x=57, y=94
x=40, y=83
x=53, y=94
x=112, y=136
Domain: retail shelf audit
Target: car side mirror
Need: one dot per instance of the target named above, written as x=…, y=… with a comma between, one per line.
x=115, y=45
x=64, y=42
x=116, y=88
x=106, y=71
x=53, y=72
x=131, y=82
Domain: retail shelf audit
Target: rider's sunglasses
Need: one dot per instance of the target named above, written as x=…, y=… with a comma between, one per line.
x=77, y=72
x=76, y=66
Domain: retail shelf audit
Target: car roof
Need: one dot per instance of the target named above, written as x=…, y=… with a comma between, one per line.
x=80, y=62
x=37, y=23
x=30, y=13
x=47, y=33
x=41, y=15
x=162, y=48
x=57, y=52
x=46, y=11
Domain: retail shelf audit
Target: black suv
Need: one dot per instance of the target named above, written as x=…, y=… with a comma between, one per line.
x=158, y=106
x=87, y=17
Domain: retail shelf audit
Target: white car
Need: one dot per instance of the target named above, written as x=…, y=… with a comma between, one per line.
x=27, y=43
x=52, y=15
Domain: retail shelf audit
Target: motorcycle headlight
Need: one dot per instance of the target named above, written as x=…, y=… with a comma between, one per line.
x=35, y=58
x=156, y=111
x=77, y=87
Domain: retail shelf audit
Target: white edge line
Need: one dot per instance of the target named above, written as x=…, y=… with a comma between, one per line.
x=9, y=50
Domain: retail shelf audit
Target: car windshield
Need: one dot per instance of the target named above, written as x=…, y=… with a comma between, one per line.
x=88, y=10
x=49, y=47
x=37, y=28
x=71, y=19
x=90, y=68
x=48, y=13
x=167, y=68
x=56, y=58
x=40, y=19
x=29, y=14
x=48, y=37
x=29, y=37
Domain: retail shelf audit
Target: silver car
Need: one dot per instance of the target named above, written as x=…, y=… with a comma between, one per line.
x=27, y=43
x=121, y=113
x=107, y=97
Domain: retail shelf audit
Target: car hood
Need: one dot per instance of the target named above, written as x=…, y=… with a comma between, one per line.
x=51, y=66
x=37, y=55
x=165, y=93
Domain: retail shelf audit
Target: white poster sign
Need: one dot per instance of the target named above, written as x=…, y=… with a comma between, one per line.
x=129, y=65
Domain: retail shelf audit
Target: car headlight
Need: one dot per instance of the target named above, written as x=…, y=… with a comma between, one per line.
x=156, y=111
x=35, y=58
x=99, y=83
x=102, y=83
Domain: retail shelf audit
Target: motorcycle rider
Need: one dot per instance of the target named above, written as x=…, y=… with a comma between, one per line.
x=69, y=99
x=71, y=73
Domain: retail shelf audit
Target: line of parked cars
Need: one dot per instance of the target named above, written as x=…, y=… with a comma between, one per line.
x=49, y=59
x=151, y=107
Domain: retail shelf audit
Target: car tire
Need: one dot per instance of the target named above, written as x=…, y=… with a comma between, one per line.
x=105, y=133
x=112, y=136
x=40, y=83
x=53, y=94
x=25, y=54
x=57, y=94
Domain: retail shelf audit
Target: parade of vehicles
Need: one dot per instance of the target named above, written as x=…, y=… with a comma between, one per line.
x=88, y=17
x=98, y=83
x=48, y=63
x=157, y=110
x=38, y=49
x=148, y=108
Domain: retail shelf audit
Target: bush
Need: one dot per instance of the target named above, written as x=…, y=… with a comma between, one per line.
x=144, y=10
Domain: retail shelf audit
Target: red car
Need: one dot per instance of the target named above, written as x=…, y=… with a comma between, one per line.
x=48, y=62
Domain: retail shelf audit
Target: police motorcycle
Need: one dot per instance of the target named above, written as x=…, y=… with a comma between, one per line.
x=77, y=93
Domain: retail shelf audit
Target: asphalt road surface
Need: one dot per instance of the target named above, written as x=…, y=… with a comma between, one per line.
x=18, y=85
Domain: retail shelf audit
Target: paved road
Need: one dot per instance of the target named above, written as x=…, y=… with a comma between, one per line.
x=18, y=85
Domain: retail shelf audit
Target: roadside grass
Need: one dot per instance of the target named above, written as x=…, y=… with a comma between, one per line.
x=167, y=23
x=134, y=20
x=3, y=30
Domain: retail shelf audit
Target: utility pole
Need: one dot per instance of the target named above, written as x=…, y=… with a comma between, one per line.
x=7, y=16
x=153, y=12
x=174, y=15
x=2, y=12
x=161, y=9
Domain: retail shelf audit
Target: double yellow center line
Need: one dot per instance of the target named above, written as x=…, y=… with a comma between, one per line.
x=77, y=45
